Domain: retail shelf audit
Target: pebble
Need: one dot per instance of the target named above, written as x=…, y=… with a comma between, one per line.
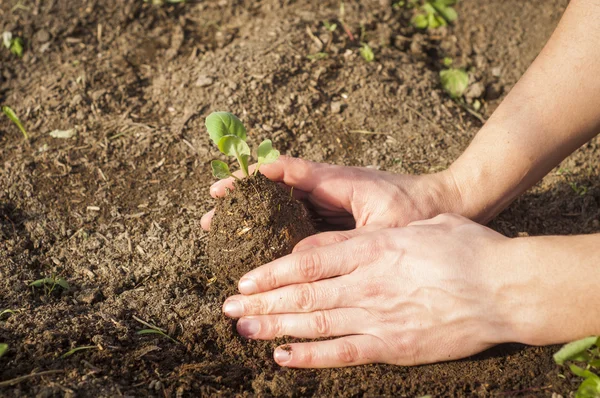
x=336, y=107
x=42, y=36
x=204, y=81
x=76, y=100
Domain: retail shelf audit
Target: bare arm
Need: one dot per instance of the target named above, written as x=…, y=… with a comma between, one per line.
x=551, y=111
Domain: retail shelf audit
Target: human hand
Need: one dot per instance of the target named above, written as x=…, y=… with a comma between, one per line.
x=356, y=196
x=432, y=291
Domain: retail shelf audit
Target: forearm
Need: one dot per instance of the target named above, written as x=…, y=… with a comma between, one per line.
x=549, y=113
x=552, y=294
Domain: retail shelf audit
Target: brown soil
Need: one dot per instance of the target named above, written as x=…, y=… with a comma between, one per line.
x=116, y=210
x=256, y=223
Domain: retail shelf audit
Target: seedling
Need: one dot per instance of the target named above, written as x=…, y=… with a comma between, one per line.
x=367, y=52
x=15, y=119
x=77, y=349
x=454, y=81
x=317, y=56
x=331, y=27
x=579, y=189
x=153, y=329
x=50, y=284
x=229, y=134
x=435, y=13
x=13, y=44
x=3, y=349
x=9, y=312
x=586, y=351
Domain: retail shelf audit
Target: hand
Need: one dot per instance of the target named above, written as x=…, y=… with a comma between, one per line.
x=428, y=292
x=355, y=196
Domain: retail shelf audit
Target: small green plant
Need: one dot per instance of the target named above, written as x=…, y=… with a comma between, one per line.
x=435, y=13
x=15, y=119
x=330, y=26
x=153, y=329
x=579, y=189
x=3, y=349
x=367, y=52
x=50, y=284
x=7, y=311
x=229, y=134
x=454, y=81
x=77, y=349
x=13, y=44
x=585, y=351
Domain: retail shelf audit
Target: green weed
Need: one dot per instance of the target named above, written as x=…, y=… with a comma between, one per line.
x=153, y=329
x=13, y=44
x=434, y=13
x=50, y=284
x=15, y=119
x=587, y=352
x=3, y=349
x=77, y=349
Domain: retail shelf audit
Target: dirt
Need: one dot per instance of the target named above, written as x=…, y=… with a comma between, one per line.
x=256, y=223
x=116, y=210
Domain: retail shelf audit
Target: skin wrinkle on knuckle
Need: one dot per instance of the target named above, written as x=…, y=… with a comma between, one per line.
x=277, y=329
x=304, y=297
x=309, y=265
x=270, y=278
x=321, y=323
x=347, y=352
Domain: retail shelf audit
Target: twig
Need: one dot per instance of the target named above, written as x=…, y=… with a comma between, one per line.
x=17, y=380
x=434, y=124
x=477, y=115
x=148, y=324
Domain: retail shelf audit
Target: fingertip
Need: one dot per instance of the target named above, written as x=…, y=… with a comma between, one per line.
x=283, y=355
x=206, y=220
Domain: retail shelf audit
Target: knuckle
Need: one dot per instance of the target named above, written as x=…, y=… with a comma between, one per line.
x=310, y=266
x=277, y=328
x=257, y=306
x=348, y=352
x=271, y=278
x=321, y=323
x=408, y=348
x=304, y=297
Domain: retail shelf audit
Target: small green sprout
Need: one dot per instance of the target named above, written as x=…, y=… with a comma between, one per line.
x=587, y=351
x=15, y=119
x=13, y=44
x=229, y=134
x=447, y=61
x=7, y=311
x=331, y=27
x=153, y=329
x=579, y=189
x=367, y=52
x=77, y=349
x=50, y=284
x=455, y=82
x=435, y=13
x=3, y=349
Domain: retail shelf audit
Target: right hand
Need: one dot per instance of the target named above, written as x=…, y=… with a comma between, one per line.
x=357, y=197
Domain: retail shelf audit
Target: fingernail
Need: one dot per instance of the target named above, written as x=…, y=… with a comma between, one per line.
x=283, y=354
x=233, y=309
x=247, y=286
x=248, y=327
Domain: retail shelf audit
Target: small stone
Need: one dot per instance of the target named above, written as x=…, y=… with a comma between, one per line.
x=204, y=81
x=336, y=107
x=97, y=94
x=494, y=91
x=90, y=296
x=76, y=100
x=42, y=36
x=496, y=71
x=475, y=90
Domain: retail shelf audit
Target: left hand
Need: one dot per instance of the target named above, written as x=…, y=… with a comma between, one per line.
x=432, y=291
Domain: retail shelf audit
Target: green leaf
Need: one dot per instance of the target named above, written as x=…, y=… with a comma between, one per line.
x=367, y=52
x=74, y=350
x=62, y=283
x=448, y=13
x=3, y=349
x=220, y=169
x=15, y=119
x=16, y=47
x=150, y=331
x=573, y=349
x=581, y=372
x=590, y=388
x=233, y=146
x=220, y=124
x=317, y=56
x=419, y=21
x=454, y=81
x=266, y=154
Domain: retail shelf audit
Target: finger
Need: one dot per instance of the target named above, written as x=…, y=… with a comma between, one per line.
x=329, y=238
x=318, y=324
x=447, y=219
x=299, y=298
x=206, y=219
x=309, y=265
x=345, y=351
